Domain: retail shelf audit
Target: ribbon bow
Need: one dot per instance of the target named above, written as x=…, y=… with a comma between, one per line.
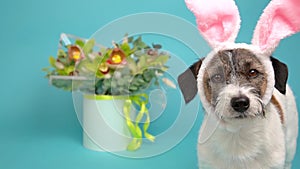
x=141, y=101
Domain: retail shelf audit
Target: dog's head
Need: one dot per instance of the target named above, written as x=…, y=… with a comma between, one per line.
x=234, y=83
x=237, y=80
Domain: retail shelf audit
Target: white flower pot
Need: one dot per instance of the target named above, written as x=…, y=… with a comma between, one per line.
x=104, y=126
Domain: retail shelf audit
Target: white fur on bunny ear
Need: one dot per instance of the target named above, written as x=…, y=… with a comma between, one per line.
x=280, y=19
x=218, y=20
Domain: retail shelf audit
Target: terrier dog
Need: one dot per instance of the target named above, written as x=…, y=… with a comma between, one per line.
x=251, y=119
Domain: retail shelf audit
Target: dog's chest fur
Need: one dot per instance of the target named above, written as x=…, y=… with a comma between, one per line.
x=248, y=143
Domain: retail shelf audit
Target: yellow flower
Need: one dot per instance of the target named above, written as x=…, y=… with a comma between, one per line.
x=116, y=59
x=103, y=68
x=74, y=53
x=116, y=56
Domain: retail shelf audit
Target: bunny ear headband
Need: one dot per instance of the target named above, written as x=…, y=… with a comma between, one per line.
x=219, y=22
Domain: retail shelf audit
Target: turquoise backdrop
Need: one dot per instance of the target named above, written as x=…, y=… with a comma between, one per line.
x=38, y=125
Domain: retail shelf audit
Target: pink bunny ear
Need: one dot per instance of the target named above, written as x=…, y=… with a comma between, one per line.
x=280, y=19
x=218, y=20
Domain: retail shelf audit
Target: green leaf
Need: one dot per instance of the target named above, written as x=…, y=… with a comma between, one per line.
x=61, y=72
x=133, y=88
x=131, y=65
x=142, y=62
x=99, y=75
x=52, y=61
x=61, y=54
x=88, y=65
x=79, y=42
x=69, y=69
x=88, y=47
x=162, y=59
x=130, y=39
x=126, y=48
x=139, y=43
x=140, y=81
x=64, y=61
x=149, y=74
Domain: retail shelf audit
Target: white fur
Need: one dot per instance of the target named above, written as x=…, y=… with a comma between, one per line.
x=223, y=108
x=253, y=143
x=290, y=126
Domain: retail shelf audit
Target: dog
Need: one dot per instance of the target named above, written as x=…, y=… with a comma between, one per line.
x=251, y=119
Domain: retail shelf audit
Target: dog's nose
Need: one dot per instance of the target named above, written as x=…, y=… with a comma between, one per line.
x=240, y=104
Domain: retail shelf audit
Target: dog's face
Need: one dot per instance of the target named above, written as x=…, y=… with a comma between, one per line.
x=233, y=82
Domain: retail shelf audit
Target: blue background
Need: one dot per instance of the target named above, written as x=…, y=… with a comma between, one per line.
x=38, y=124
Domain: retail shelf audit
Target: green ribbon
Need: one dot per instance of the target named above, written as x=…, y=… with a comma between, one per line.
x=105, y=97
x=138, y=100
x=141, y=101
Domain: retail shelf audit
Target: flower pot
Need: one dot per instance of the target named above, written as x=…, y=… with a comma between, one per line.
x=104, y=125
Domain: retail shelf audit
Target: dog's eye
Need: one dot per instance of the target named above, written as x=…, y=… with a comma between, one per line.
x=217, y=78
x=253, y=73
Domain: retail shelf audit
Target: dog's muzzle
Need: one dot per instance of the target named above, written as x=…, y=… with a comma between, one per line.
x=240, y=104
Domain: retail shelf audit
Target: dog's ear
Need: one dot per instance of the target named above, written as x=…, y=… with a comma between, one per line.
x=188, y=81
x=281, y=75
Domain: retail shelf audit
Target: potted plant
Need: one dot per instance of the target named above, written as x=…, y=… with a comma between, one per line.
x=114, y=82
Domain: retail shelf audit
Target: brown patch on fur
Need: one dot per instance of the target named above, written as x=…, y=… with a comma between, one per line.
x=207, y=87
x=234, y=67
x=246, y=61
x=275, y=102
x=264, y=86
